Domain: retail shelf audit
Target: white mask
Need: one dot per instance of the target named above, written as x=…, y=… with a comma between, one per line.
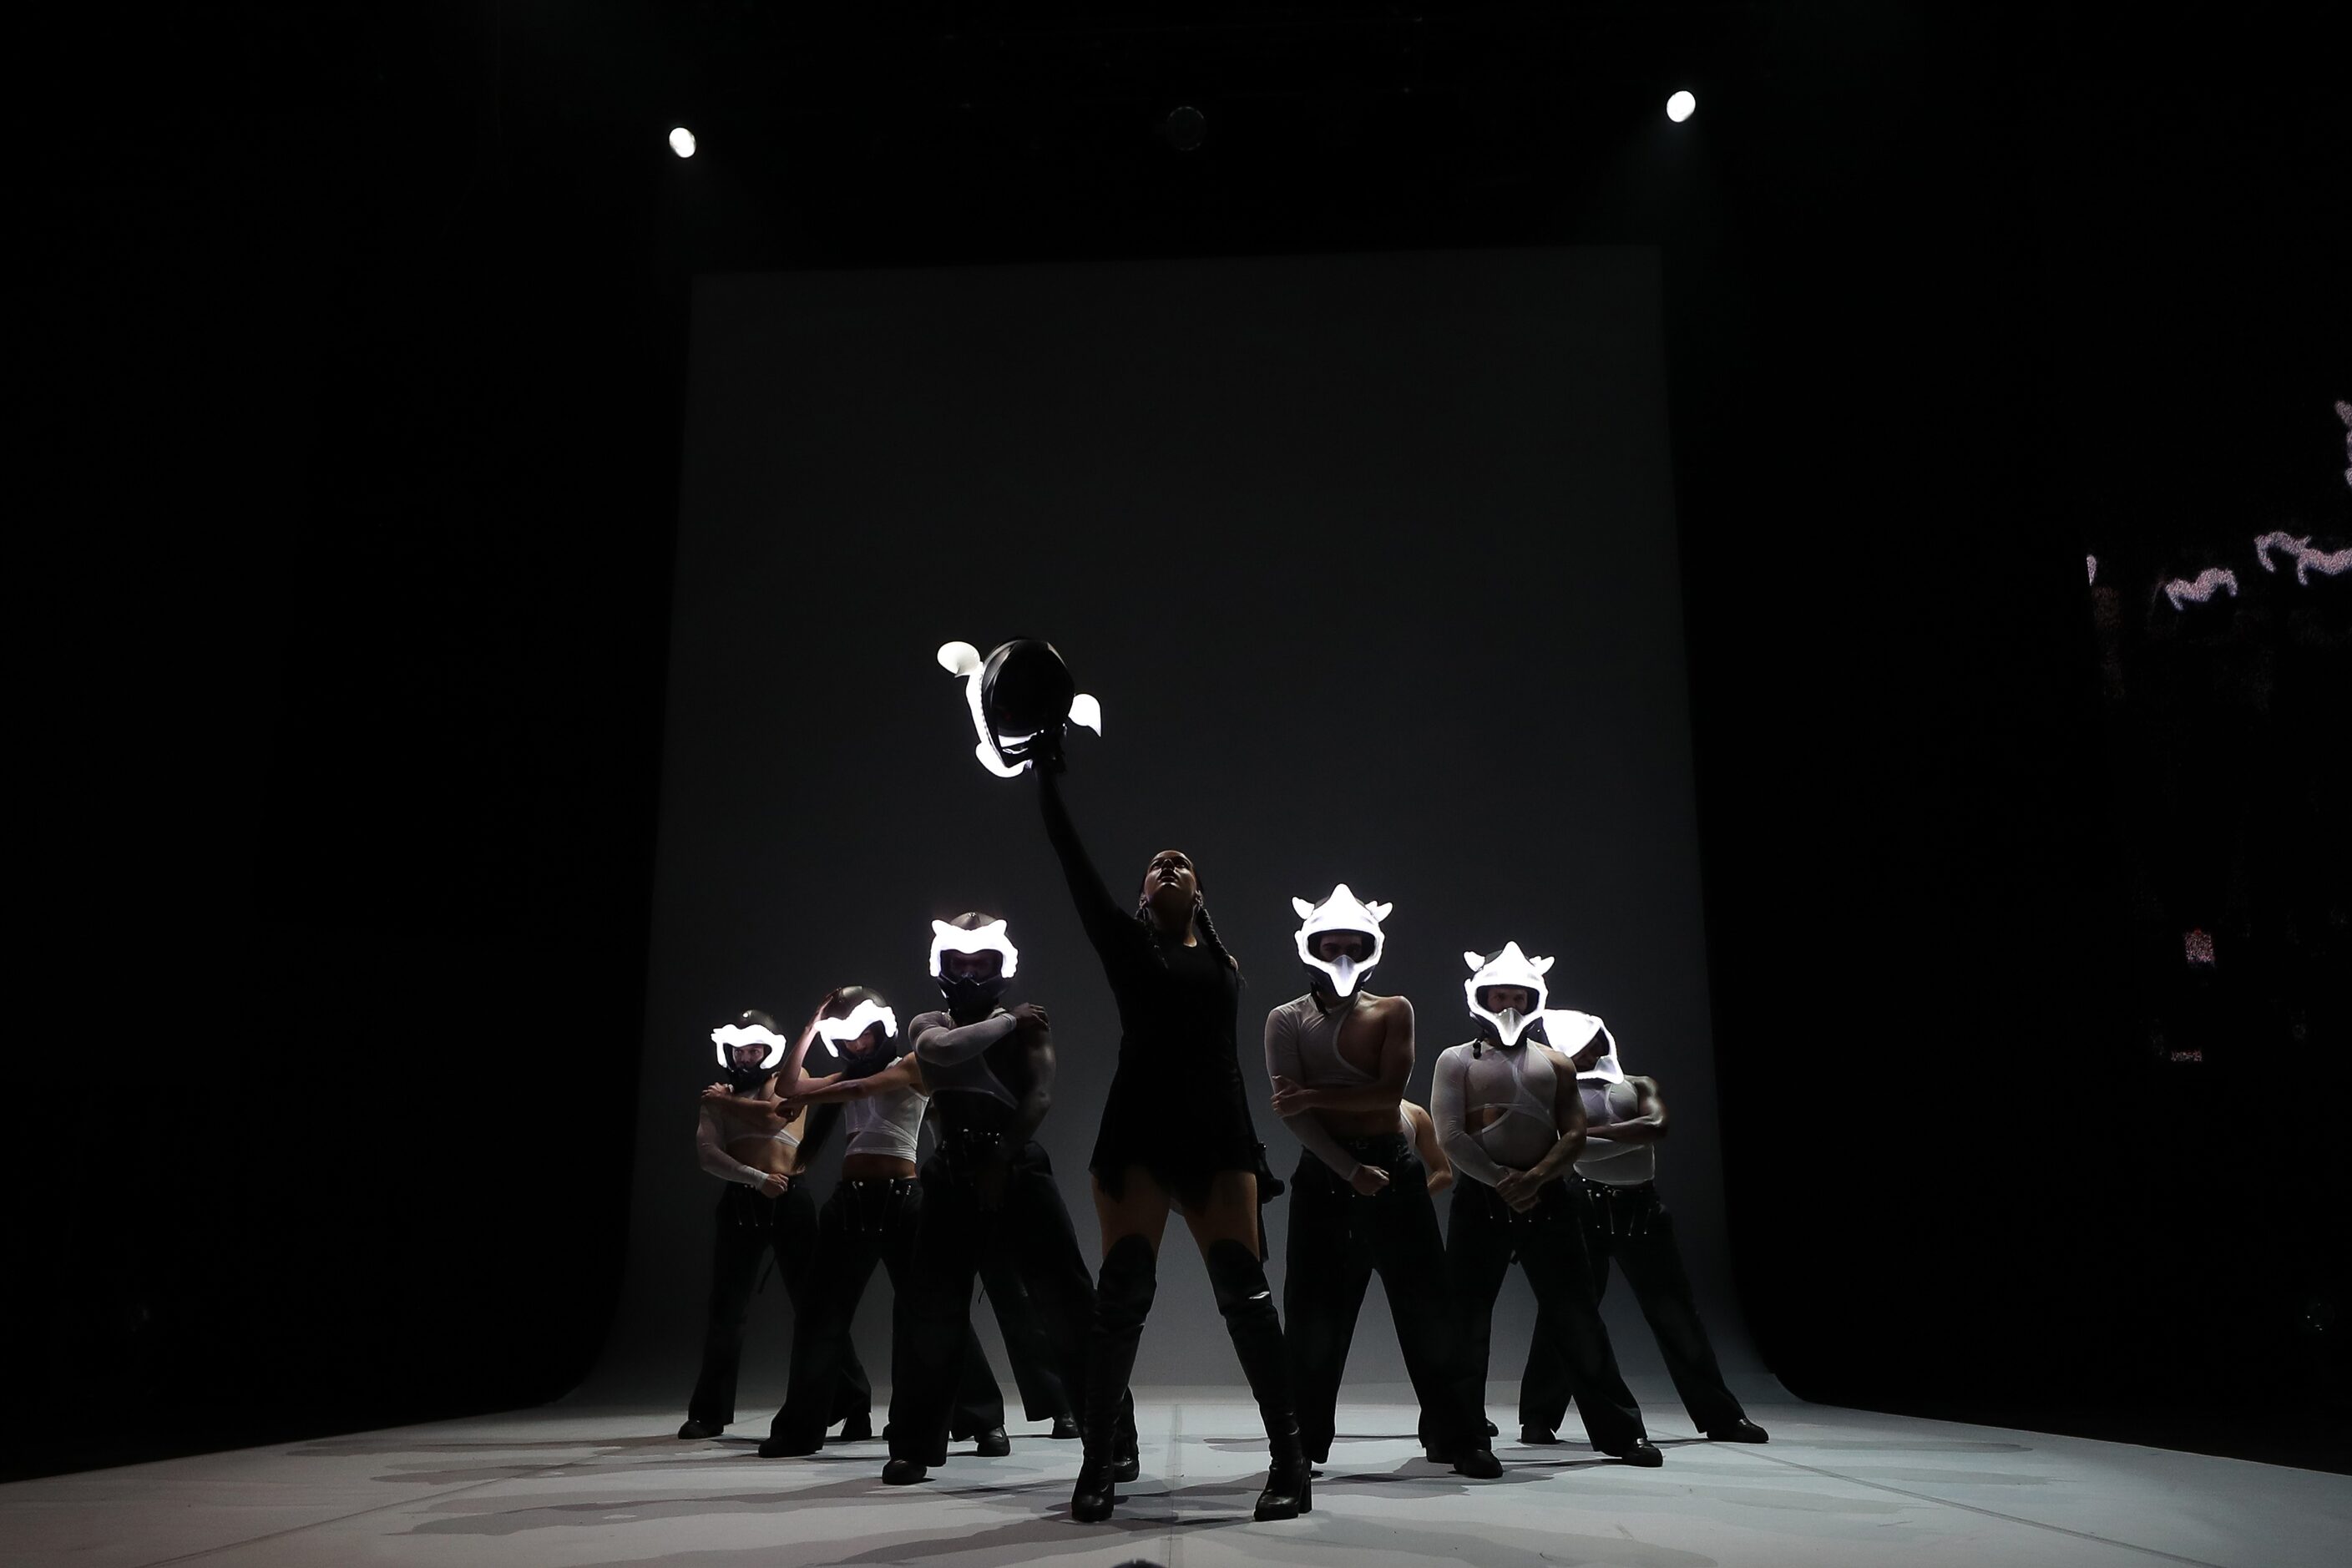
x=1508, y=967
x=1341, y=912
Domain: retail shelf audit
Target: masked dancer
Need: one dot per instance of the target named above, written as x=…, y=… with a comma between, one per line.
x=1506, y=1110
x=1340, y=1058
x=764, y=1210
x=872, y=1216
x=1175, y=1132
x=991, y=1207
x=1625, y=1219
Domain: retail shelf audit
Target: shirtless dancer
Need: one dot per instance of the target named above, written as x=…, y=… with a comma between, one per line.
x=871, y=1217
x=1508, y=1112
x=1359, y=1203
x=765, y=1209
x=1625, y=1219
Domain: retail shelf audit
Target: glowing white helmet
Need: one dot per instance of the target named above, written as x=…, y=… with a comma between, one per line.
x=982, y=936
x=1508, y=967
x=869, y=1011
x=1569, y=1033
x=727, y=1036
x=962, y=658
x=1341, y=912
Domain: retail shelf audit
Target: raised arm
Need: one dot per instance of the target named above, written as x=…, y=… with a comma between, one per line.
x=1282, y=1067
x=947, y=1044
x=1108, y=927
x=710, y=1151
x=1646, y=1126
x=790, y=1084
x=1446, y=1101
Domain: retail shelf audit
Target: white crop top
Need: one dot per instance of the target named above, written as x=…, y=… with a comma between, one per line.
x=889, y=1124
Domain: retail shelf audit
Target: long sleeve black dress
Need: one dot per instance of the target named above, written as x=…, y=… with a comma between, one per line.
x=1177, y=1107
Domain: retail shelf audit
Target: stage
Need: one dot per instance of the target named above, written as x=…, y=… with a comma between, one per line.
x=570, y=1485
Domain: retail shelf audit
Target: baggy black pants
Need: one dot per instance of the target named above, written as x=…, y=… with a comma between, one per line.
x=751, y=1228
x=1026, y=1253
x=1547, y=1242
x=864, y=1223
x=1632, y=1225
x=1339, y=1239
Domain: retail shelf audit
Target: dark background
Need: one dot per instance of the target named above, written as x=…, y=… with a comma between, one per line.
x=1371, y=562
x=358, y=344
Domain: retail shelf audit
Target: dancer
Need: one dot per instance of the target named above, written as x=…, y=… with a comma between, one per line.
x=871, y=1217
x=1176, y=1134
x=1625, y=1219
x=991, y=1207
x=1508, y=1112
x=765, y=1209
x=1340, y=1058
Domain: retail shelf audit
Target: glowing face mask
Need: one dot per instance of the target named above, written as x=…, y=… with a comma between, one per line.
x=1508, y=967
x=1341, y=912
x=733, y=1035
x=962, y=658
x=1569, y=1033
x=964, y=991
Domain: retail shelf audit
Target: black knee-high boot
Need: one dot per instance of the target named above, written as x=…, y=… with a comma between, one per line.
x=1247, y=1303
x=1123, y=1293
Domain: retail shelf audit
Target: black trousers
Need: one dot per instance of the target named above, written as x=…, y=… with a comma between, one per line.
x=1547, y=1243
x=862, y=1223
x=1339, y=1240
x=1633, y=1227
x=752, y=1228
x=1025, y=1252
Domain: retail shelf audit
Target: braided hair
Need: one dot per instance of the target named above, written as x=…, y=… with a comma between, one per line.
x=1201, y=923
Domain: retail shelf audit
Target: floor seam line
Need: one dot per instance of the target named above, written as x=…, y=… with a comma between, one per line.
x=1986, y=1513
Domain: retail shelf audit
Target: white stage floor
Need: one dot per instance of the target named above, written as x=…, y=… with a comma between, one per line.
x=576, y=1485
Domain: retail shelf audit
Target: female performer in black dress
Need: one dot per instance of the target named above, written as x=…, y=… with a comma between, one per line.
x=1176, y=1132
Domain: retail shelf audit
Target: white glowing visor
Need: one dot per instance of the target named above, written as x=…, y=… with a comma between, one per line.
x=867, y=1014
x=1508, y=967
x=962, y=658
x=1570, y=1033
x=1341, y=912
x=990, y=938
x=728, y=1036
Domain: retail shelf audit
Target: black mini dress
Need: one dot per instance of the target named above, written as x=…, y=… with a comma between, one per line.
x=1177, y=1107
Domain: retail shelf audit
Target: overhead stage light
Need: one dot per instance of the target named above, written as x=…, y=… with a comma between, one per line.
x=1681, y=107
x=681, y=142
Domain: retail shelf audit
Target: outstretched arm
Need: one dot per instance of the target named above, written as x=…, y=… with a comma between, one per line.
x=1111, y=931
x=1446, y=1108
x=907, y=1072
x=948, y=1045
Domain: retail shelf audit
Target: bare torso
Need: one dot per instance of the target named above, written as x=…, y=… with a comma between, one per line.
x=1361, y=1032
x=747, y=1128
